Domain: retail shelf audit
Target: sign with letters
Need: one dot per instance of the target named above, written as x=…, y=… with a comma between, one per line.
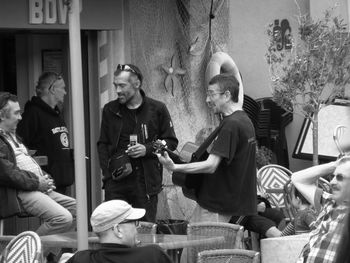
x=53, y=14
x=47, y=12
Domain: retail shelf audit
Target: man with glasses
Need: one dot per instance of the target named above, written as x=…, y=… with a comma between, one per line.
x=130, y=125
x=115, y=223
x=43, y=129
x=333, y=207
x=228, y=175
x=24, y=187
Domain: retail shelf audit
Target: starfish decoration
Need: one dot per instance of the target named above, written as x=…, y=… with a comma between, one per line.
x=172, y=74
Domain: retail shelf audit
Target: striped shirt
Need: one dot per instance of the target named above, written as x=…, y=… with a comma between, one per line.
x=23, y=159
x=325, y=238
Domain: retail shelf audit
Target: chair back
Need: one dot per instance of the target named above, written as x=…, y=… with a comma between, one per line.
x=24, y=248
x=271, y=179
x=289, y=192
x=228, y=256
x=337, y=135
x=252, y=108
x=232, y=233
x=147, y=228
x=324, y=185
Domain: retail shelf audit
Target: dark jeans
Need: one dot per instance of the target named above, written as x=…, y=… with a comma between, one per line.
x=261, y=222
x=132, y=189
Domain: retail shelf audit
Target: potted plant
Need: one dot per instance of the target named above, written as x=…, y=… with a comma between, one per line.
x=314, y=71
x=263, y=156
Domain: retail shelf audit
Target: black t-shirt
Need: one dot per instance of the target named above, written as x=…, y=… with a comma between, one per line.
x=232, y=187
x=129, y=124
x=113, y=253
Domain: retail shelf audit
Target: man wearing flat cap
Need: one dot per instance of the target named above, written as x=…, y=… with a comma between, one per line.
x=115, y=223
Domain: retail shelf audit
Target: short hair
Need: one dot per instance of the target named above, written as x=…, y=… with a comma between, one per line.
x=227, y=82
x=5, y=97
x=45, y=81
x=134, y=70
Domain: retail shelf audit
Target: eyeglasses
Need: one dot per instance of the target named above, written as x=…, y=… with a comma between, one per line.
x=211, y=94
x=127, y=68
x=136, y=222
x=340, y=177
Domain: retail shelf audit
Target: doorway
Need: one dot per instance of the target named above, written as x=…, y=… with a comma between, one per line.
x=8, y=63
x=24, y=54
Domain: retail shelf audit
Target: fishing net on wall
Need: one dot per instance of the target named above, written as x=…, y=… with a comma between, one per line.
x=175, y=34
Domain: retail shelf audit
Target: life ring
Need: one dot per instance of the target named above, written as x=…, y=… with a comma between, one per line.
x=221, y=62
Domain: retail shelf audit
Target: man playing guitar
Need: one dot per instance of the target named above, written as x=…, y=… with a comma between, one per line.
x=228, y=185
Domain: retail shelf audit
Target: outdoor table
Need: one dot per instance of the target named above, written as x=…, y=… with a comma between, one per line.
x=170, y=243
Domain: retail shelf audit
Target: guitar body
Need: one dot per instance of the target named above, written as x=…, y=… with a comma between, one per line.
x=189, y=183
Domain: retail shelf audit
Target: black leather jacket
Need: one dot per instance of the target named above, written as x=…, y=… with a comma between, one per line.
x=156, y=117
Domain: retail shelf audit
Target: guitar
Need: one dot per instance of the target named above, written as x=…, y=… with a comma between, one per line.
x=189, y=183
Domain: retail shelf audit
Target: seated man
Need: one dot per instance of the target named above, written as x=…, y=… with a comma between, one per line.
x=115, y=223
x=333, y=207
x=24, y=186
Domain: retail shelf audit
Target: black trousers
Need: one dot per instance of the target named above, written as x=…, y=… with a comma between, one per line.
x=261, y=222
x=132, y=189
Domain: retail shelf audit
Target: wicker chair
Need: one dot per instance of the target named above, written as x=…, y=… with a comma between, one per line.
x=288, y=189
x=233, y=236
x=289, y=192
x=147, y=228
x=228, y=256
x=271, y=180
x=337, y=135
x=24, y=248
x=324, y=185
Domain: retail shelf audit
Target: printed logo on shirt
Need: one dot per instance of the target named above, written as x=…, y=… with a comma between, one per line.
x=252, y=139
x=64, y=139
x=59, y=129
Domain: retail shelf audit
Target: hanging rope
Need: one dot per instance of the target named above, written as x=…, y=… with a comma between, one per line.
x=211, y=16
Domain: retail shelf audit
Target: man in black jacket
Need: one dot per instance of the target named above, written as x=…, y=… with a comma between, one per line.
x=130, y=124
x=43, y=129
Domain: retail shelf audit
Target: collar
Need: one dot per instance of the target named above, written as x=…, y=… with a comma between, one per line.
x=113, y=245
x=37, y=101
x=117, y=108
x=3, y=132
x=143, y=95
